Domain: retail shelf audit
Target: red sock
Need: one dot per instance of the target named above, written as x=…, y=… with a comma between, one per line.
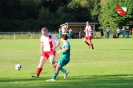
x=38, y=71
x=87, y=43
x=92, y=46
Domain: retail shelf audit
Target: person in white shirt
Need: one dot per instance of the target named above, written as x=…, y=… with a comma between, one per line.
x=118, y=32
x=88, y=35
x=49, y=43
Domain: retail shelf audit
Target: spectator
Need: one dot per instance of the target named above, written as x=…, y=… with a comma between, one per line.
x=127, y=32
x=108, y=32
x=114, y=36
x=132, y=31
x=60, y=32
x=118, y=32
x=102, y=34
x=70, y=33
x=79, y=35
x=123, y=32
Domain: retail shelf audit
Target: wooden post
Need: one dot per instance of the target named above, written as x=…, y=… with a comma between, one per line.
x=14, y=36
x=31, y=35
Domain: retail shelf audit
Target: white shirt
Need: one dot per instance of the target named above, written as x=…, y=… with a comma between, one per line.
x=107, y=29
x=118, y=30
x=46, y=42
x=88, y=30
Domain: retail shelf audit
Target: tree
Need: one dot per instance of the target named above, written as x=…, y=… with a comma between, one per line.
x=31, y=15
x=109, y=17
x=54, y=5
x=29, y=8
x=105, y=16
x=96, y=10
x=78, y=12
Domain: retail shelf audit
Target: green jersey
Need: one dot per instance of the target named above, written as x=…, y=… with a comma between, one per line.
x=66, y=53
x=60, y=32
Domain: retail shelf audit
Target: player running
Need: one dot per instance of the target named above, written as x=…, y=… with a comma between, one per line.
x=65, y=58
x=88, y=36
x=48, y=45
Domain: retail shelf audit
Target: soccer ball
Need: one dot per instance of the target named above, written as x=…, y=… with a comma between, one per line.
x=18, y=66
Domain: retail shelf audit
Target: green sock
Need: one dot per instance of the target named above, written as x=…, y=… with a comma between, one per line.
x=63, y=70
x=54, y=76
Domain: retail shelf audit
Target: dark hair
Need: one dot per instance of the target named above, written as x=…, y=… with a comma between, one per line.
x=64, y=36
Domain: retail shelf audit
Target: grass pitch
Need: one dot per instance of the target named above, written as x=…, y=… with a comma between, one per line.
x=109, y=65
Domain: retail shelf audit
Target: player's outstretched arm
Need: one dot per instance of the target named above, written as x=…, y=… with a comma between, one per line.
x=57, y=45
x=63, y=50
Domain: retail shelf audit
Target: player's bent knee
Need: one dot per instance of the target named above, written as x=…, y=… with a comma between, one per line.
x=54, y=65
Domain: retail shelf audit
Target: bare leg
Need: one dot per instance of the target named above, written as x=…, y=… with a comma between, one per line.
x=52, y=60
x=42, y=61
x=86, y=42
x=91, y=44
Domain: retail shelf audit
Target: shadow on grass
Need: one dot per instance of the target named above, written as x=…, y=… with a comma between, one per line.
x=83, y=81
x=114, y=49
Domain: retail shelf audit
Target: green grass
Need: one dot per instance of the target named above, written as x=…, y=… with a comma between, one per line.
x=109, y=65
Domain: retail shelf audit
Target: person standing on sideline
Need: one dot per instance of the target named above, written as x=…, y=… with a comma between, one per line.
x=65, y=58
x=118, y=32
x=48, y=45
x=65, y=30
x=70, y=33
x=132, y=31
x=60, y=32
x=102, y=33
x=107, y=32
x=88, y=35
x=123, y=32
x=127, y=32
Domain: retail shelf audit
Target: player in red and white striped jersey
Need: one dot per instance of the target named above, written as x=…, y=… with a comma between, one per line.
x=88, y=35
x=49, y=43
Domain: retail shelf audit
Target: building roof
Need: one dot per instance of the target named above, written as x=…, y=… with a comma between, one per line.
x=79, y=23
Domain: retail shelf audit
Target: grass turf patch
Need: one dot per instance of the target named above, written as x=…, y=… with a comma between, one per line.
x=109, y=65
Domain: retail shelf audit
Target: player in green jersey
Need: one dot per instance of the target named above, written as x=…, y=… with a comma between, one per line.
x=65, y=58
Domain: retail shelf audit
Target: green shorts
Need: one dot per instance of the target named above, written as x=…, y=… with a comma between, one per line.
x=63, y=61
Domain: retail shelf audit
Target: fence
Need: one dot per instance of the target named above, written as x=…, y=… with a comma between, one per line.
x=36, y=35
x=21, y=35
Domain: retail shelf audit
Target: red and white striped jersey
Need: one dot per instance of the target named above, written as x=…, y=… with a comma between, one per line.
x=88, y=31
x=49, y=42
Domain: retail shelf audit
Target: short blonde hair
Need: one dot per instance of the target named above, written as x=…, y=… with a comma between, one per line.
x=44, y=29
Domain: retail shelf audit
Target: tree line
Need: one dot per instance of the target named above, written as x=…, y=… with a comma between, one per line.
x=32, y=15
